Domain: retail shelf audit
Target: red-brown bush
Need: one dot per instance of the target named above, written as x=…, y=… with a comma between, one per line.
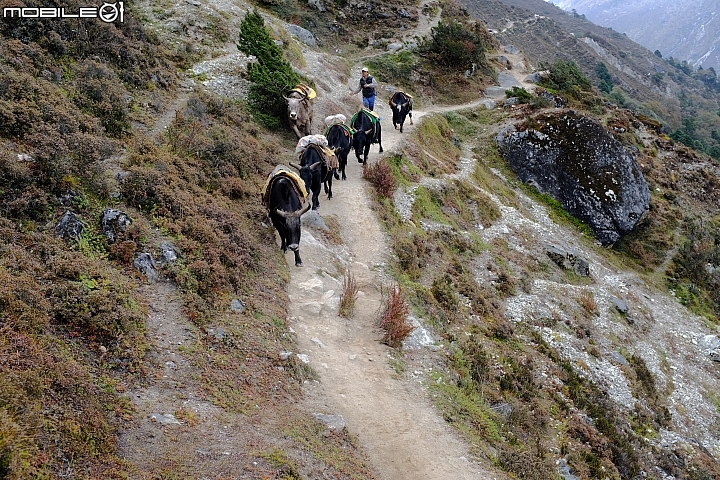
x=394, y=319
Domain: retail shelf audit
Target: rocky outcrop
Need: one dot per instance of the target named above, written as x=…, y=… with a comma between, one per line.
x=576, y=161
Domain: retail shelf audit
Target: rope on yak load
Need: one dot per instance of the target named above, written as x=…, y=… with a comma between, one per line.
x=320, y=144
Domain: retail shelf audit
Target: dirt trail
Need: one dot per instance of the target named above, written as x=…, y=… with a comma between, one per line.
x=402, y=433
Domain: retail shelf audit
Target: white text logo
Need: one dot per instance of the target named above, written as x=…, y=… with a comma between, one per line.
x=107, y=12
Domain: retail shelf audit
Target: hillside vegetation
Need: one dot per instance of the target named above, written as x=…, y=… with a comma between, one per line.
x=83, y=111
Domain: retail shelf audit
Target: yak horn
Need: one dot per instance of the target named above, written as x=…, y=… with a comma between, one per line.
x=367, y=132
x=294, y=166
x=314, y=165
x=281, y=213
x=305, y=208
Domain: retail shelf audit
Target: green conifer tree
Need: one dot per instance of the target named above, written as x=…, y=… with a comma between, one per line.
x=271, y=74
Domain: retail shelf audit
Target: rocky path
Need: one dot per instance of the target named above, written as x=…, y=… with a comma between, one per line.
x=402, y=433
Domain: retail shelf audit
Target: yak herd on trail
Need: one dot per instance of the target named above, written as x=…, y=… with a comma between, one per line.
x=321, y=157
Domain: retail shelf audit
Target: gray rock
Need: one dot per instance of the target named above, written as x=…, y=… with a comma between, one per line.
x=418, y=337
x=508, y=81
x=511, y=49
x=503, y=409
x=168, y=253
x=488, y=103
x=114, y=222
x=556, y=100
x=70, y=227
x=568, y=259
x=67, y=199
x=165, y=419
x=219, y=333
x=505, y=61
x=618, y=358
x=334, y=423
x=472, y=71
x=565, y=471
x=710, y=345
x=509, y=102
x=495, y=92
x=394, y=47
x=709, y=342
x=305, y=36
x=620, y=304
x=313, y=219
x=237, y=306
x=577, y=162
x=317, y=4
x=533, y=78
x=145, y=264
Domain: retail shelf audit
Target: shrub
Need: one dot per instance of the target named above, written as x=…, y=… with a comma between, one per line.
x=395, y=67
x=520, y=93
x=394, y=319
x=102, y=94
x=381, y=176
x=565, y=76
x=453, y=46
x=271, y=75
x=587, y=301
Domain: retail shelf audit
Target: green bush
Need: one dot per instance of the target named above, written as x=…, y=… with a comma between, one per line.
x=520, y=93
x=565, y=76
x=271, y=74
x=454, y=46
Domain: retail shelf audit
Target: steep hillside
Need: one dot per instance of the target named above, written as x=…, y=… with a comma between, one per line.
x=686, y=30
x=685, y=101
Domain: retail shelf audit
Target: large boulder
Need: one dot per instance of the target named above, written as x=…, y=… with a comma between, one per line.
x=576, y=161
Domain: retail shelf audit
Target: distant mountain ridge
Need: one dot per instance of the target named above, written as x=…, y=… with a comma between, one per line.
x=682, y=29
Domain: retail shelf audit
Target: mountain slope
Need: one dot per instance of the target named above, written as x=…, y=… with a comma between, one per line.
x=685, y=30
x=235, y=363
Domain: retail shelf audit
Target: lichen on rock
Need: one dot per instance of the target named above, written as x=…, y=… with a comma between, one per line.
x=577, y=162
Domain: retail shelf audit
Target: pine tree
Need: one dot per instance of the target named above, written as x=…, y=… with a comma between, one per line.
x=271, y=74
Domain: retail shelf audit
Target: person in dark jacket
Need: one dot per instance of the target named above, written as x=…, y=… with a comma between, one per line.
x=368, y=86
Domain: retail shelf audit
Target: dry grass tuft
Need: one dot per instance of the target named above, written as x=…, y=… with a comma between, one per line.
x=348, y=296
x=587, y=301
x=394, y=318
